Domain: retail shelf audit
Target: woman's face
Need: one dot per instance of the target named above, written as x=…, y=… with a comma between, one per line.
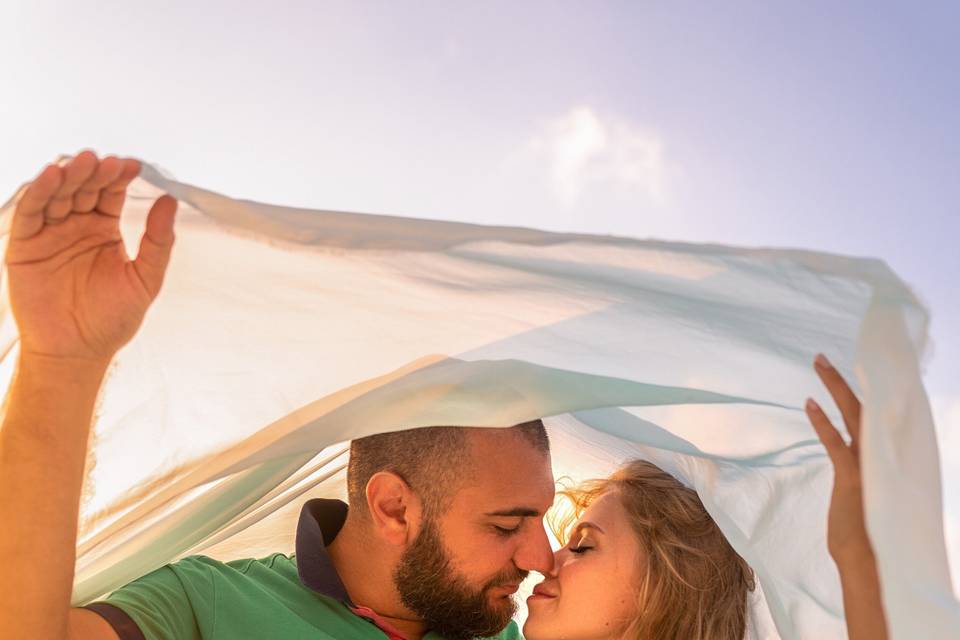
x=591, y=592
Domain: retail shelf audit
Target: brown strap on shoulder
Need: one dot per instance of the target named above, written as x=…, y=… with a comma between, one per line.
x=117, y=618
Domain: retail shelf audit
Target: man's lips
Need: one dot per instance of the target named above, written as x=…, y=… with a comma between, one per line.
x=509, y=589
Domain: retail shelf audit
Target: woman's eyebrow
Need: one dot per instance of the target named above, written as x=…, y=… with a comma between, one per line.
x=587, y=525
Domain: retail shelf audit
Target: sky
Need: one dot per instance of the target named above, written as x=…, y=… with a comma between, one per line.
x=823, y=125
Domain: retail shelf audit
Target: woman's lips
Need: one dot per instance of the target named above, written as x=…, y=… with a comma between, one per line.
x=541, y=594
x=538, y=597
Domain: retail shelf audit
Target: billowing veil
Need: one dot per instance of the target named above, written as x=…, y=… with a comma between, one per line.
x=283, y=333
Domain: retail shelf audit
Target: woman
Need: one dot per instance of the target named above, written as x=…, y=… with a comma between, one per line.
x=642, y=527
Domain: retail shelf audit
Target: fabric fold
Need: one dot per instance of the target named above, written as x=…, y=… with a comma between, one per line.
x=283, y=333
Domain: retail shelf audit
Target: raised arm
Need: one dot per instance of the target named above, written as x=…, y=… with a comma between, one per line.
x=847, y=538
x=77, y=299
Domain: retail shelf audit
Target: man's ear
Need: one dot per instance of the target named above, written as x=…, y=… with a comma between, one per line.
x=394, y=508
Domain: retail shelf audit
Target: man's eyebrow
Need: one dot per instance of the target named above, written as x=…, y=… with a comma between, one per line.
x=516, y=512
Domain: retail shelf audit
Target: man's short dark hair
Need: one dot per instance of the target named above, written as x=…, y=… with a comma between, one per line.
x=431, y=460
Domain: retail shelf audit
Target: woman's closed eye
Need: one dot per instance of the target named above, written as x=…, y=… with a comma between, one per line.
x=582, y=545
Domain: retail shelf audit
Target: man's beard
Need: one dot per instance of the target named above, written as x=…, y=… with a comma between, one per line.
x=431, y=588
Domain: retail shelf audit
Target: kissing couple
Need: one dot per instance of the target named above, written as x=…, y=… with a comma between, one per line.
x=443, y=523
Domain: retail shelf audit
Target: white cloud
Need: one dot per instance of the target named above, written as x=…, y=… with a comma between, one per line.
x=583, y=150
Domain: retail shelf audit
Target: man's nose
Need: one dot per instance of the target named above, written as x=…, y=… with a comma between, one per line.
x=535, y=553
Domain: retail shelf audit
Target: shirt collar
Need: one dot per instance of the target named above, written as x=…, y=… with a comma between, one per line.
x=320, y=521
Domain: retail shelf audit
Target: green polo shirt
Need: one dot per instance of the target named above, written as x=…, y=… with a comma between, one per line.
x=279, y=597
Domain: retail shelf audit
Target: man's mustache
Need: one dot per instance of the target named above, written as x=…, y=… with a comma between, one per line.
x=513, y=576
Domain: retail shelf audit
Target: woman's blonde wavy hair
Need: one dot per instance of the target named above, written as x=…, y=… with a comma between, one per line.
x=693, y=585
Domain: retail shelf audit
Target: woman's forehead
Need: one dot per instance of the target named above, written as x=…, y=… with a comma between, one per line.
x=606, y=513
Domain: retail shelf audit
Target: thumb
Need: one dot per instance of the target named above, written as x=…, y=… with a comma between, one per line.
x=156, y=244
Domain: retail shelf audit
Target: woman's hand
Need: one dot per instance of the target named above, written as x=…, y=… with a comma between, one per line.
x=74, y=292
x=847, y=538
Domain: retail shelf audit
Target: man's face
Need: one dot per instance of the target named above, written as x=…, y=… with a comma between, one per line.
x=463, y=568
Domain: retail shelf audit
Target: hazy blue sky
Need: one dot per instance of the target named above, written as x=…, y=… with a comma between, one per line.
x=824, y=125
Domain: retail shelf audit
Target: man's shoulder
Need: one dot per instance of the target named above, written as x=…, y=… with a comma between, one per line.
x=203, y=597
x=203, y=569
x=512, y=632
x=277, y=562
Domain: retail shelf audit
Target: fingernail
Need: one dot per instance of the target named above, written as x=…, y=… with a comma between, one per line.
x=812, y=405
x=821, y=361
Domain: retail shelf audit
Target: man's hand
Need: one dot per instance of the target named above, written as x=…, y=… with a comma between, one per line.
x=74, y=292
x=77, y=298
x=847, y=538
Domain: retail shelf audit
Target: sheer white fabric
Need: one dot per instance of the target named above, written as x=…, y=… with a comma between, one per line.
x=283, y=333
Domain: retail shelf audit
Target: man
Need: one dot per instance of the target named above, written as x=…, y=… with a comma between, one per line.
x=444, y=522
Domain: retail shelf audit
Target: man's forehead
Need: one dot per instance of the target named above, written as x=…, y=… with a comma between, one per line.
x=521, y=499
x=509, y=475
x=491, y=448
